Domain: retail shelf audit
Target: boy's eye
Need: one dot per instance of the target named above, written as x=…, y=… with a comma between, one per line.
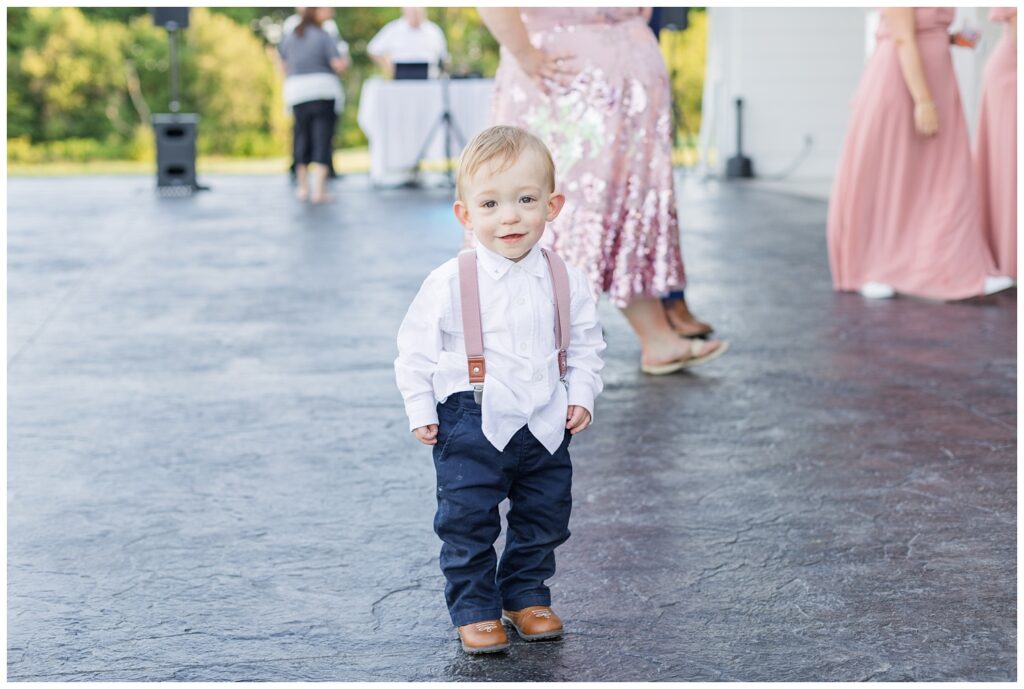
x=527, y=199
x=489, y=204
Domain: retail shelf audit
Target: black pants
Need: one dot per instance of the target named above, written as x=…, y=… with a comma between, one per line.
x=314, y=129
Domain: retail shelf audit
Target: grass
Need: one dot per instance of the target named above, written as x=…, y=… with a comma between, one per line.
x=347, y=161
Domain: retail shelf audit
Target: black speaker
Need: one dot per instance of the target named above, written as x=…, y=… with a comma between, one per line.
x=170, y=18
x=176, y=150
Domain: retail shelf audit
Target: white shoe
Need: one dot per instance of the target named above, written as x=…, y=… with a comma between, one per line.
x=997, y=283
x=877, y=290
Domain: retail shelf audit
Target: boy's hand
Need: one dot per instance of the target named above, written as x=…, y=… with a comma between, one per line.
x=427, y=434
x=576, y=419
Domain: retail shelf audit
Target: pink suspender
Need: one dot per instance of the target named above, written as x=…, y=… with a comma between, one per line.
x=469, y=290
x=560, y=282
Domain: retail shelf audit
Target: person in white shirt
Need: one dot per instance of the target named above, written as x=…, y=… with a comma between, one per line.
x=514, y=443
x=410, y=38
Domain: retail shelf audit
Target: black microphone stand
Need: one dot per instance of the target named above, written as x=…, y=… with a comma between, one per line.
x=446, y=121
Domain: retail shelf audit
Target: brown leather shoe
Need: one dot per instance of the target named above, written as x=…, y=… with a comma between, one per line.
x=483, y=637
x=535, y=622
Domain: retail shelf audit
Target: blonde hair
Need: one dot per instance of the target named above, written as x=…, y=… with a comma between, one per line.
x=504, y=145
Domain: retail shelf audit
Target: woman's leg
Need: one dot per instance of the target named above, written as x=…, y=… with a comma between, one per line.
x=301, y=182
x=681, y=319
x=300, y=150
x=659, y=343
x=321, y=131
x=319, y=175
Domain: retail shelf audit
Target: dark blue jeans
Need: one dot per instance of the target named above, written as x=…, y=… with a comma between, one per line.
x=472, y=479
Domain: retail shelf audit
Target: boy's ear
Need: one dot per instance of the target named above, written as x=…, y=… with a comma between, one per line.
x=462, y=214
x=555, y=203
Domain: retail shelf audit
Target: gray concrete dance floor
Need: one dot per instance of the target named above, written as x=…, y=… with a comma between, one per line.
x=210, y=476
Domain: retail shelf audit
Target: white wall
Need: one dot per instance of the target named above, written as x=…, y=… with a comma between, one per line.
x=796, y=70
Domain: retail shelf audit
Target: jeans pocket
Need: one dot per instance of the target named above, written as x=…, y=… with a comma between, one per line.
x=450, y=434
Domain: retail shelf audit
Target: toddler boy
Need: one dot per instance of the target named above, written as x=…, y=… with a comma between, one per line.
x=513, y=443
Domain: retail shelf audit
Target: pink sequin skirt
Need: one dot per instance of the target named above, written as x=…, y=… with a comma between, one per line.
x=610, y=136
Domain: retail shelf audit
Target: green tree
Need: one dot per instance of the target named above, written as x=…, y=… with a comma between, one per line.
x=98, y=75
x=72, y=75
x=685, y=55
x=234, y=84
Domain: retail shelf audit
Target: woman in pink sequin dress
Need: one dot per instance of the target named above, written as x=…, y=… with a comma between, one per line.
x=591, y=83
x=904, y=215
x=995, y=151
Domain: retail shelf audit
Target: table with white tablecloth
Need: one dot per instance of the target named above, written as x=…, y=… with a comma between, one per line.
x=397, y=117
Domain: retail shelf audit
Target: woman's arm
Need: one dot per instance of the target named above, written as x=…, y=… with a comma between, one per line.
x=901, y=24
x=508, y=29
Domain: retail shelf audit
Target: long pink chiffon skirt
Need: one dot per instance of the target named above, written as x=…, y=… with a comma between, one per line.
x=904, y=207
x=996, y=156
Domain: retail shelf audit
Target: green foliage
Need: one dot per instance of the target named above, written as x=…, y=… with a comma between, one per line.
x=233, y=83
x=98, y=75
x=83, y=82
x=114, y=14
x=685, y=54
x=71, y=75
x=21, y=150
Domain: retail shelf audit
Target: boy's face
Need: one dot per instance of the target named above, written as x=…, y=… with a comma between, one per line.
x=507, y=210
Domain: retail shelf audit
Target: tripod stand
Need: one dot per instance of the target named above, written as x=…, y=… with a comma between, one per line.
x=445, y=122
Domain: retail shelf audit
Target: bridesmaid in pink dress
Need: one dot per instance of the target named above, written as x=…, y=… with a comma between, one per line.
x=996, y=146
x=591, y=83
x=904, y=215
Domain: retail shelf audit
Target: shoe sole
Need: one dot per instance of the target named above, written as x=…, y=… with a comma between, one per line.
x=535, y=637
x=486, y=649
x=686, y=363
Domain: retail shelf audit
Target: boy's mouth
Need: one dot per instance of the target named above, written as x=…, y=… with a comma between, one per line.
x=511, y=238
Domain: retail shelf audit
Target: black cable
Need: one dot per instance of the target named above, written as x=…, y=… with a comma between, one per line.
x=791, y=168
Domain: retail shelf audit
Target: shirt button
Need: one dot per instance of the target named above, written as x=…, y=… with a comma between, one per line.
x=521, y=300
x=522, y=346
x=538, y=377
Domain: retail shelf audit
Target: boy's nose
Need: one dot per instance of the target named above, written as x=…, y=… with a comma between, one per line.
x=509, y=216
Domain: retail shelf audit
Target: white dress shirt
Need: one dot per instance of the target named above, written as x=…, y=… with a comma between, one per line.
x=399, y=41
x=521, y=385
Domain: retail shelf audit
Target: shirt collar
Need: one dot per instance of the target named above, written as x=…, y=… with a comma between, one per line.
x=496, y=265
